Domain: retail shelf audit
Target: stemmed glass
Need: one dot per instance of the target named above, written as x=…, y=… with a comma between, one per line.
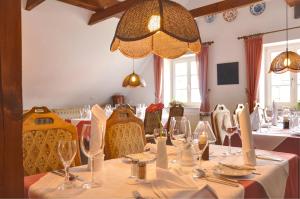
x=230, y=129
x=200, y=143
x=90, y=148
x=67, y=151
x=268, y=117
x=180, y=134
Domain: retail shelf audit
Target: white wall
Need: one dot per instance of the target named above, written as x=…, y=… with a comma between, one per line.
x=228, y=49
x=66, y=62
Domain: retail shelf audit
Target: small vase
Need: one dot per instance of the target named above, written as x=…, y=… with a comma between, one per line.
x=162, y=157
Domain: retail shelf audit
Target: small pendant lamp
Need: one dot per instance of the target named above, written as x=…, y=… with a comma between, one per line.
x=162, y=27
x=288, y=60
x=133, y=80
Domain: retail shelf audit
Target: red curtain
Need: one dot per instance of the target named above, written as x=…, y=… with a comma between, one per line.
x=253, y=47
x=202, y=63
x=158, y=76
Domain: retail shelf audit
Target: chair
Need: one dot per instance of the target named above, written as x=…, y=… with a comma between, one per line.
x=132, y=108
x=176, y=110
x=124, y=134
x=237, y=112
x=152, y=121
x=42, y=130
x=218, y=115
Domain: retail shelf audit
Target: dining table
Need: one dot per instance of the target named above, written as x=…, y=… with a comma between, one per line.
x=275, y=176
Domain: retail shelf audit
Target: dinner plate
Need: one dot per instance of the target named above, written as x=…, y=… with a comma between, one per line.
x=230, y=15
x=141, y=157
x=210, y=18
x=226, y=171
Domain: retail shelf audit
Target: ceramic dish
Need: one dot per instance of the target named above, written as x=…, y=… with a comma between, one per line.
x=230, y=15
x=226, y=171
x=257, y=8
x=210, y=18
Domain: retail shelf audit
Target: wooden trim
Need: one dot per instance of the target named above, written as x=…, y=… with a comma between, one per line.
x=30, y=4
x=83, y=4
x=11, y=161
x=293, y=3
x=220, y=7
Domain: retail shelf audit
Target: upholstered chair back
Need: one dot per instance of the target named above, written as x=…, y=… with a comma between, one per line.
x=42, y=131
x=152, y=121
x=124, y=134
x=132, y=108
x=218, y=115
x=176, y=110
x=237, y=112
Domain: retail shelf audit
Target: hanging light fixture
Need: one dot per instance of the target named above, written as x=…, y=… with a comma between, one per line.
x=288, y=60
x=162, y=27
x=133, y=80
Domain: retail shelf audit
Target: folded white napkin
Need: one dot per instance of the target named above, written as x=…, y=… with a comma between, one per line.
x=170, y=184
x=247, y=137
x=98, y=125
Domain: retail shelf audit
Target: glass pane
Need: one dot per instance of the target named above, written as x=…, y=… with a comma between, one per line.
x=181, y=82
x=281, y=85
x=181, y=95
x=194, y=69
x=298, y=85
x=298, y=51
x=194, y=81
x=195, y=95
x=181, y=69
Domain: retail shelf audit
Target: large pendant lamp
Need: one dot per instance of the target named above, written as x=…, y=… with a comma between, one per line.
x=162, y=27
x=288, y=60
x=133, y=80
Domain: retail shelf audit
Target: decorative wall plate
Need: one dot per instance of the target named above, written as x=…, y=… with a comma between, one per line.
x=210, y=18
x=230, y=15
x=257, y=8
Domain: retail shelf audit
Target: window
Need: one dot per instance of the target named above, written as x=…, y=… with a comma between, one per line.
x=184, y=84
x=282, y=88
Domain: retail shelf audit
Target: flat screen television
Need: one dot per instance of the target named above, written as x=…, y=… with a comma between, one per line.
x=228, y=73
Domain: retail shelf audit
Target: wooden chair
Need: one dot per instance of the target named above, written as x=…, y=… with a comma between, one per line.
x=218, y=115
x=42, y=130
x=132, y=108
x=152, y=121
x=176, y=110
x=124, y=134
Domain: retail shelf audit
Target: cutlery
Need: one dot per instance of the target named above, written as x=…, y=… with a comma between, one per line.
x=229, y=182
x=137, y=195
x=72, y=177
x=269, y=158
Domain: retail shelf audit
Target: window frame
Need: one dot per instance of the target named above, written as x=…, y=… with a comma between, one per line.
x=268, y=50
x=184, y=59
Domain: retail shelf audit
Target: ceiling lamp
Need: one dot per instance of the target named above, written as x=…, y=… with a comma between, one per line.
x=288, y=60
x=133, y=80
x=160, y=26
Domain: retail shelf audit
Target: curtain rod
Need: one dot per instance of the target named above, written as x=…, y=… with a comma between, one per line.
x=208, y=43
x=265, y=33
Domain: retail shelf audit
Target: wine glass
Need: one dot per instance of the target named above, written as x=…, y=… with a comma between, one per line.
x=67, y=151
x=86, y=145
x=230, y=129
x=180, y=133
x=200, y=143
x=268, y=117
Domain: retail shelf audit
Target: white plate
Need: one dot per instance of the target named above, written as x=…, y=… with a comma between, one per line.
x=226, y=171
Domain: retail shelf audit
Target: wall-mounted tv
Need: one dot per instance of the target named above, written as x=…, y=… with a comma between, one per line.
x=228, y=73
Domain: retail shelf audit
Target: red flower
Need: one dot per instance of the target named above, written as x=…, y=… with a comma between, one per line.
x=155, y=107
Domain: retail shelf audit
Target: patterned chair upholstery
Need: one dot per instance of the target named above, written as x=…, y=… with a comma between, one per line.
x=152, y=121
x=42, y=130
x=124, y=134
x=132, y=108
x=218, y=114
x=176, y=110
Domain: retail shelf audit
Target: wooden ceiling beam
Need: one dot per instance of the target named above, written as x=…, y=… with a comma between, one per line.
x=293, y=3
x=30, y=4
x=87, y=4
x=220, y=7
x=111, y=11
x=197, y=12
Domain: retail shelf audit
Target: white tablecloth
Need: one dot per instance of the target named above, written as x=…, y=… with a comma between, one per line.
x=115, y=178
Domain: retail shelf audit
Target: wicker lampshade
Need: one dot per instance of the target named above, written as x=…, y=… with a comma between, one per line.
x=286, y=61
x=160, y=26
x=133, y=80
